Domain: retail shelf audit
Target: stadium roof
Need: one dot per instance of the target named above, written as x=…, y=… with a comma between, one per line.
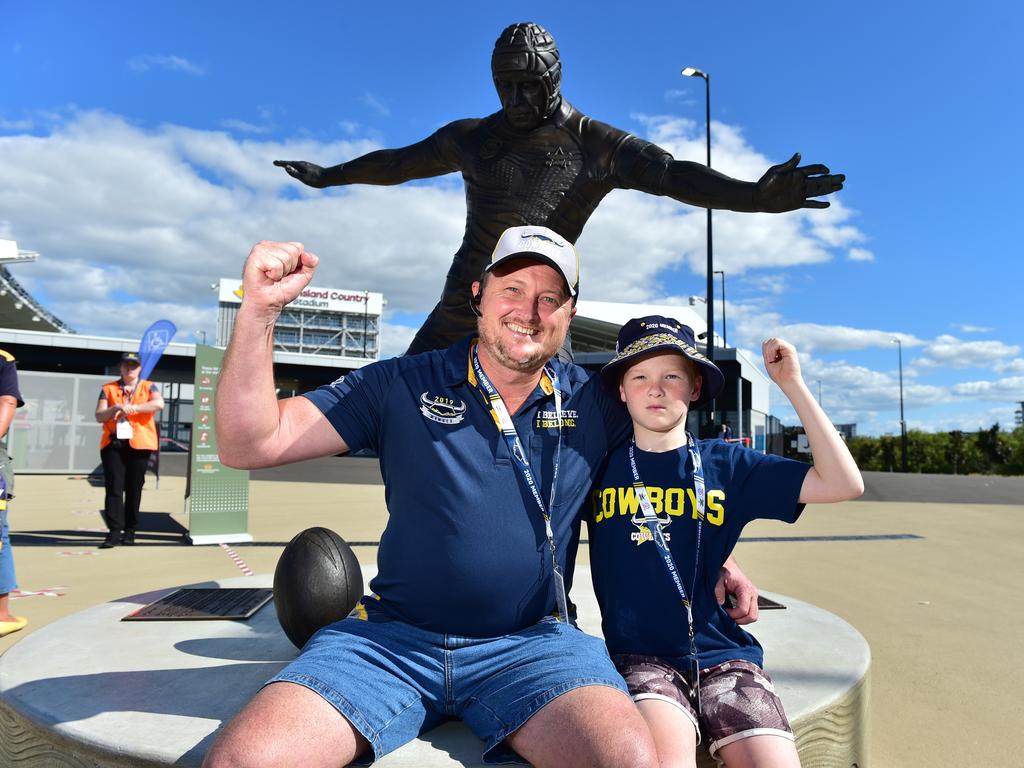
x=19, y=310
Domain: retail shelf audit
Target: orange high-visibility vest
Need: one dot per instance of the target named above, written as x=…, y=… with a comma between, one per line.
x=143, y=424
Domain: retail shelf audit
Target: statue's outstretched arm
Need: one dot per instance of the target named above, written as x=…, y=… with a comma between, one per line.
x=384, y=166
x=783, y=187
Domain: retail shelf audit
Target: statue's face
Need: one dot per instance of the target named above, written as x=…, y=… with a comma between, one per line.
x=523, y=99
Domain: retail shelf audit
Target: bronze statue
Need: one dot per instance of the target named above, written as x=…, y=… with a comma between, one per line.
x=541, y=161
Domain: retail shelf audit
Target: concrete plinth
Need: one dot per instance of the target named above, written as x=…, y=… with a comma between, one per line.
x=91, y=690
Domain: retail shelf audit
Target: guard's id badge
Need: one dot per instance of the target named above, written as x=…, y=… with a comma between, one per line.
x=124, y=430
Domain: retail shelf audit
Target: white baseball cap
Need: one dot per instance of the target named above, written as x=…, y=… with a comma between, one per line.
x=543, y=244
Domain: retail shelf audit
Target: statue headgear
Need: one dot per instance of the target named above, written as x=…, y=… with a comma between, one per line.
x=529, y=48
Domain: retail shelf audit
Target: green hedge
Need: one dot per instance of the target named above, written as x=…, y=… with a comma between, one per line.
x=985, y=452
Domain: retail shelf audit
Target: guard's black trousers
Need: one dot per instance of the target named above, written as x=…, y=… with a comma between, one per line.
x=124, y=472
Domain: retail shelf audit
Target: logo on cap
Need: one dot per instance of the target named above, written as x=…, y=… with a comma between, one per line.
x=528, y=236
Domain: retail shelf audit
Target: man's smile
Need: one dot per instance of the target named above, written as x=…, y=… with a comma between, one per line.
x=520, y=329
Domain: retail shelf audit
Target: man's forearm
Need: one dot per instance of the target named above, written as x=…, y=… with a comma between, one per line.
x=247, y=414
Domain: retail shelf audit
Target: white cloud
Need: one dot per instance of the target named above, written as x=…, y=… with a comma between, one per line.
x=395, y=339
x=375, y=103
x=680, y=96
x=950, y=351
x=1011, y=388
x=970, y=421
x=812, y=337
x=860, y=254
x=156, y=215
x=1013, y=366
x=15, y=125
x=968, y=328
x=243, y=126
x=167, y=63
x=775, y=285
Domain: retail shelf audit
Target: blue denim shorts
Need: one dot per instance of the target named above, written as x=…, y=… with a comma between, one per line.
x=8, y=582
x=393, y=681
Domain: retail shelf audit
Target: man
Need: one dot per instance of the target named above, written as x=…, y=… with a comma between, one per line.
x=469, y=619
x=541, y=161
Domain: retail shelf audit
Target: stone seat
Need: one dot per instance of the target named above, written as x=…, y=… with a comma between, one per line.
x=90, y=690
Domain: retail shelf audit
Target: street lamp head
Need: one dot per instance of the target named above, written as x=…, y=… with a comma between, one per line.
x=896, y=341
x=693, y=72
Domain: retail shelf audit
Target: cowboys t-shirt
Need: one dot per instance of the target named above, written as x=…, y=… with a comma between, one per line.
x=641, y=608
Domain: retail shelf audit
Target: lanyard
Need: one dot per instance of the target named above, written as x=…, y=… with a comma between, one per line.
x=128, y=394
x=654, y=526
x=522, y=462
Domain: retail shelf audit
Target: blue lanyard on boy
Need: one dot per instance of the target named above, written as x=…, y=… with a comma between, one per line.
x=522, y=462
x=654, y=526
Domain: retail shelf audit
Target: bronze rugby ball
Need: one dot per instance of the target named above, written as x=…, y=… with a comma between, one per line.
x=317, y=582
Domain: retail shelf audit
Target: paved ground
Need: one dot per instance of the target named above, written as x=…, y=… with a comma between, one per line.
x=879, y=486
x=930, y=576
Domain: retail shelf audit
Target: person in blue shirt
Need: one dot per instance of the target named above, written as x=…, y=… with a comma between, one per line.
x=664, y=515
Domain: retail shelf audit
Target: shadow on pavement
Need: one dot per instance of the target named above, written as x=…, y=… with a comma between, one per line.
x=154, y=528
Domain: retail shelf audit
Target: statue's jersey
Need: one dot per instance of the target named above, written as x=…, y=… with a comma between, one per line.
x=554, y=175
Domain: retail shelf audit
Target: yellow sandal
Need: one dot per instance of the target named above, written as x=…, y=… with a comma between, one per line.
x=7, y=627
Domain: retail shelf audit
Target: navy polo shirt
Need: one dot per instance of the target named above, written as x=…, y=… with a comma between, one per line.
x=464, y=550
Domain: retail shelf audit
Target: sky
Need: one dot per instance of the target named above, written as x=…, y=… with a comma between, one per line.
x=136, y=142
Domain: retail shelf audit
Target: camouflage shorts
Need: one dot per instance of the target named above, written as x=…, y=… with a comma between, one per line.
x=737, y=698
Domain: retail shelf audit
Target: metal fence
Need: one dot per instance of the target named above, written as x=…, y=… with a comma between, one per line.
x=56, y=431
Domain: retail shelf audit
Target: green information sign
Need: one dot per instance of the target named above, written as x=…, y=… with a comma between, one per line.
x=217, y=497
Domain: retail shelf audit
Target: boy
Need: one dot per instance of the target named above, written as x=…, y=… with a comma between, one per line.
x=667, y=511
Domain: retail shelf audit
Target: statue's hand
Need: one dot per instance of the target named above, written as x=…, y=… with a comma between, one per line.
x=309, y=174
x=786, y=187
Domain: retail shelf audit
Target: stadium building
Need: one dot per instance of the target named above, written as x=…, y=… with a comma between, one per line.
x=334, y=322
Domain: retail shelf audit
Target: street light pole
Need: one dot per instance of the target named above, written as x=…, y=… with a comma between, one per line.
x=725, y=330
x=903, y=423
x=694, y=72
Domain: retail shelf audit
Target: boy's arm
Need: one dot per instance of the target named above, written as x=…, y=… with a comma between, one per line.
x=834, y=476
